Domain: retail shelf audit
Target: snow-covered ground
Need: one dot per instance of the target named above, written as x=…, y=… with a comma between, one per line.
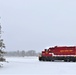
x=31, y=66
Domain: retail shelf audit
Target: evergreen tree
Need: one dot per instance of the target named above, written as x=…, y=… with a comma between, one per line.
x=2, y=46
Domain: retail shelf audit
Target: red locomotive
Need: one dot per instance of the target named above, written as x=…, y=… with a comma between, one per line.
x=65, y=53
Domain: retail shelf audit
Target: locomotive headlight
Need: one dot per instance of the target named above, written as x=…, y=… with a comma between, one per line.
x=39, y=55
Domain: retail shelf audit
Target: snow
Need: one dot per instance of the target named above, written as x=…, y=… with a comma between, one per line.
x=32, y=66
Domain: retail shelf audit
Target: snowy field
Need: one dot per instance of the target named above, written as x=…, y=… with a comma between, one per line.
x=31, y=66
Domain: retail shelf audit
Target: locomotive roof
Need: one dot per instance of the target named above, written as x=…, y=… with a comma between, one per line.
x=70, y=46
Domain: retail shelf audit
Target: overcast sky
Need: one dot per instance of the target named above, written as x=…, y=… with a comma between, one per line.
x=36, y=24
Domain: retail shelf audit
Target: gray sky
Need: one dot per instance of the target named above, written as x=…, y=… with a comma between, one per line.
x=36, y=24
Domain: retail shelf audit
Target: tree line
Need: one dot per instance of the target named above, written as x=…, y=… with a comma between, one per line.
x=22, y=53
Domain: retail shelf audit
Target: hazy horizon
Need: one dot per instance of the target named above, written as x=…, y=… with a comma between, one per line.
x=36, y=24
